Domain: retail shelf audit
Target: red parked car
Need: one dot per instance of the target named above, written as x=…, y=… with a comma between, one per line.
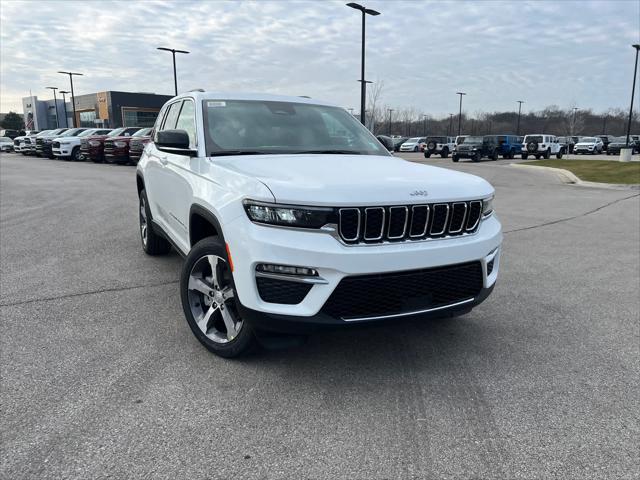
x=93, y=147
x=137, y=144
x=116, y=149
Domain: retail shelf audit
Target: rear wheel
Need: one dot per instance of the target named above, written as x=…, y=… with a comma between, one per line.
x=75, y=154
x=209, y=300
x=537, y=157
x=444, y=153
x=454, y=158
x=524, y=156
x=547, y=154
x=495, y=155
x=427, y=154
x=559, y=155
x=476, y=157
x=152, y=243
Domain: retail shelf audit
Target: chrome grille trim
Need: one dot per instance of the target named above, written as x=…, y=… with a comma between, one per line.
x=473, y=227
x=426, y=222
x=404, y=228
x=366, y=220
x=446, y=219
x=353, y=239
x=464, y=216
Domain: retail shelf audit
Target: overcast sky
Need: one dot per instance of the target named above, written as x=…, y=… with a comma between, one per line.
x=557, y=52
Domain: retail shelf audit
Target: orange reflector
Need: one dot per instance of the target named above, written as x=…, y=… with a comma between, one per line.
x=229, y=256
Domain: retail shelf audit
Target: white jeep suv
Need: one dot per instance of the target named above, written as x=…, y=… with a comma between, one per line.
x=442, y=146
x=292, y=217
x=542, y=145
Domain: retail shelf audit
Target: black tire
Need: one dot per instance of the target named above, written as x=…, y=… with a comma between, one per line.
x=524, y=156
x=75, y=154
x=495, y=155
x=547, y=153
x=427, y=154
x=454, y=158
x=245, y=339
x=559, y=155
x=415, y=149
x=152, y=243
x=444, y=153
x=476, y=158
x=537, y=157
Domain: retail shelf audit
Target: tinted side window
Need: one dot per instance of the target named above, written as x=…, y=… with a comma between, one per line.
x=187, y=122
x=172, y=116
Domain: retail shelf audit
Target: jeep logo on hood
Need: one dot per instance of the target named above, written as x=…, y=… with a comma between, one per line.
x=419, y=193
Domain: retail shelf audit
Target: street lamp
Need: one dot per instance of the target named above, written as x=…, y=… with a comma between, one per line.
x=460, y=114
x=55, y=102
x=633, y=89
x=424, y=123
x=573, y=122
x=363, y=86
x=64, y=106
x=389, y=122
x=520, y=102
x=173, y=52
x=450, y=124
x=73, y=100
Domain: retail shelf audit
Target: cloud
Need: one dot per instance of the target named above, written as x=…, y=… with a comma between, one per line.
x=498, y=52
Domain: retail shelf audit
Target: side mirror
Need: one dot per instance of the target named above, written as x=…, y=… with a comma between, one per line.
x=387, y=142
x=174, y=141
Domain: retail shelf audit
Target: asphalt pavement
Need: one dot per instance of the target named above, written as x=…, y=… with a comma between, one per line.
x=102, y=378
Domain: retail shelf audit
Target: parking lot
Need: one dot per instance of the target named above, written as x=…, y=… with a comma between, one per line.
x=101, y=376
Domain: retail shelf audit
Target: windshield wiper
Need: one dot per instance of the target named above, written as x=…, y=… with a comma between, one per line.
x=236, y=152
x=329, y=152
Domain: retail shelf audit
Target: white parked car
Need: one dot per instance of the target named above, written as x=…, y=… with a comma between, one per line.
x=413, y=144
x=442, y=146
x=6, y=144
x=591, y=145
x=67, y=146
x=27, y=143
x=292, y=216
x=541, y=145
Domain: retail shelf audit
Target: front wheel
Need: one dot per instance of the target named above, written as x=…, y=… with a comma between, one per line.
x=444, y=153
x=547, y=154
x=415, y=149
x=454, y=158
x=524, y=156
x=427, y=154
x=537, y=157
x=559, y=155
x=209, y=300
x=75, y=154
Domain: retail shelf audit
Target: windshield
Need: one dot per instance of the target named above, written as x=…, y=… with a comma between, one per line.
x=471, y=140
x=45, y=133
x=235, y=127
x=86, y=133
x=588, y=140
x=116, y=132
x=619, y=140
x=5, y=139
x=73, y=132
x=142, y=133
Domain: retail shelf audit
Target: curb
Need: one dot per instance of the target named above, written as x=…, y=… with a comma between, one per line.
x=570, y=178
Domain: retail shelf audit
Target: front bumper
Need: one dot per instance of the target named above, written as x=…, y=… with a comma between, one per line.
x=583, y=150
x=466, y=154
x=252, y=244
x=116, y=155
x=62, y=151
x=91, y=153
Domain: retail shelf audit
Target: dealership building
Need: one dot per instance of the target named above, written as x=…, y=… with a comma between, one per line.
x=103, y=109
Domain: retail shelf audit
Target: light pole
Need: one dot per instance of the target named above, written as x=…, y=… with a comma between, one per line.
x=424, y=123
x=633, y=90
x=389, y=122
x=173, y=52
x=573, y=122
x=460, y=114
x=363, y=86
x=55, y=102
x=520, y=102
x=64, y=105
x=73, y=100
x=450, y=124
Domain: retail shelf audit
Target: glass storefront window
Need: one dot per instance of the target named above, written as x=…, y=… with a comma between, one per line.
x=138, y=118
x=87, y=119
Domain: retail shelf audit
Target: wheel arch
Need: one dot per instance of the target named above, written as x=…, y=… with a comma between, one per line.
x=202, y=224
x=139, y=182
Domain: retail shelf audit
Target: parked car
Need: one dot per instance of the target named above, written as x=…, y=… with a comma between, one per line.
x=6, y=144
x=92, y=148
x=606, y=139
x=29, y=142
x=44, y=142
x=591, y=145
x=439, y=146
x=618, y=143
x=19, y=141
x=137, y=144
x=508, y=145
x=568, y=143
x=116, y=149
x=12, y=134
x=412, y=145
x=228, y=181
x=397, y=142
x=67, y=147
x=460, y=138
x=541, y=145
x=477, y=148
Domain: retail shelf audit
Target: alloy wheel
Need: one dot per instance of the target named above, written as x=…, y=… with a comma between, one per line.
x=212, y=299
x=143, y=221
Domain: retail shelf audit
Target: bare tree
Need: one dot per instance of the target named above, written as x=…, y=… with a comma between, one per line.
x=374, y=114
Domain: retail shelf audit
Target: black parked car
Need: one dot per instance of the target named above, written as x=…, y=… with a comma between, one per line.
x=397, y=142
x=568, y=143
x=618, y=143
x=606, y=139
x=477, y=148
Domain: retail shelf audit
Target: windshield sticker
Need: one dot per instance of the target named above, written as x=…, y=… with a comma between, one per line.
x=216, y=104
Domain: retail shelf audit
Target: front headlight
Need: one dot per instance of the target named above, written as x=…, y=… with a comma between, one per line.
x=287, y=215
x=487, y=206
x=120, y=144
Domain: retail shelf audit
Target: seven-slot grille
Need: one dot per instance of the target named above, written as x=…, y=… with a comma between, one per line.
x=413, y=222
x=16, y=142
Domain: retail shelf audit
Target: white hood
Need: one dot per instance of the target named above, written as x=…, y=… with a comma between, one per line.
x=355, y=179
